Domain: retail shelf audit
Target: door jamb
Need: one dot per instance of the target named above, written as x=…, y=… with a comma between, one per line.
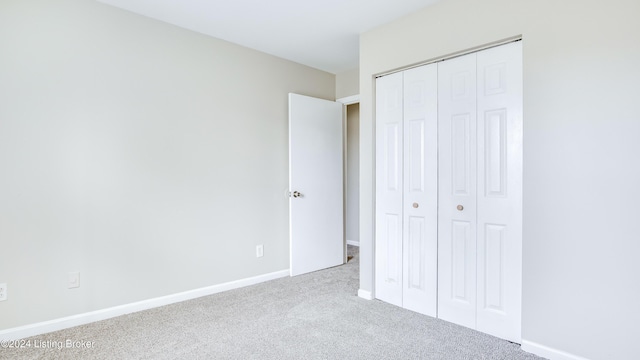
x=349, y=100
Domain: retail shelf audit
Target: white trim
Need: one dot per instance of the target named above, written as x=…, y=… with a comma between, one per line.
x=353, y=99
x=365, y=294
x=93, y=316
x=353, y=242
x=547, y=352
x=454, y=55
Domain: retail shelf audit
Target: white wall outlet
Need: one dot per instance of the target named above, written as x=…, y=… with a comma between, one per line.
x=259, y=251
x=3, y=292
x=74, y=280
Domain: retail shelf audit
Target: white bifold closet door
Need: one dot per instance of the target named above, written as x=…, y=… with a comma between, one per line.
x=457, y=190
x=406, y=189
x=480, y=191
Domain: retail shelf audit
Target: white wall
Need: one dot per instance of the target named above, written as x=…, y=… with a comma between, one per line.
x=581, y=168
x=149, y=158
x=353, y=173
x=347, y=83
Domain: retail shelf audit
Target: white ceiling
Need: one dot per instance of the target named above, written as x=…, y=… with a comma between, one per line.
x=323, y=34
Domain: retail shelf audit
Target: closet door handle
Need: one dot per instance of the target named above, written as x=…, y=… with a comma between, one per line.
x=460, y=207
x=415, y=205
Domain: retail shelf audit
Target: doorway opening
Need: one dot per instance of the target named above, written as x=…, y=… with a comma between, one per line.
x=352, y=175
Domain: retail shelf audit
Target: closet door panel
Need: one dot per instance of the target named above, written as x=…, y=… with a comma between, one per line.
x=500, y=191
x=457, y=190
x=389, y=189
x=420, y=189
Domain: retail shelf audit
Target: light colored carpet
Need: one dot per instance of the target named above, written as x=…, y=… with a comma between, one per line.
x=313, y=316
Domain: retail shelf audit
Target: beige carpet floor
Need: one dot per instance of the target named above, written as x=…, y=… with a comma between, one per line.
x=313, y=316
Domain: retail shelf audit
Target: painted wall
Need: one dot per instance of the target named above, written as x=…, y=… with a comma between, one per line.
x=353, y=175
x=581, y=168
x=347, y=83
x=149, y=158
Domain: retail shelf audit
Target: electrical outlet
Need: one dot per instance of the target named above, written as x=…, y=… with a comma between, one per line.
x=3, y=292
x=259, y=251
x=74, y=280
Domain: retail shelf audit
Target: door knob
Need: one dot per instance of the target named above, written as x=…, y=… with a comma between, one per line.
x=297, y=194
x=415, y=205
x=460, y=207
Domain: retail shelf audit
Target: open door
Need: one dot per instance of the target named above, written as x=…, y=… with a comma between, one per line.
x=316, y=221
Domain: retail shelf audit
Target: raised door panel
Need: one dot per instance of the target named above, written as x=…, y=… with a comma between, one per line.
x=461, y=155
x=420, y=189
x=415, y=256
x=392, y=274
x=493, y=263
x=500, y=191
x=457, y=190
x=389, y=187
x=462, y=263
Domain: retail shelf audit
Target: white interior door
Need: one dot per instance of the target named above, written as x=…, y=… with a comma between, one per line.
x=420, y=195
x=407, y=189
x=389, y=196
x=457, y=190
x=315, y=184
x=500, y=191
x=480, y=191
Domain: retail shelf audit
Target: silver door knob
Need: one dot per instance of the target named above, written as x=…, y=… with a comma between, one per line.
x=297, y=194
x=460, y=207
x=415, y=205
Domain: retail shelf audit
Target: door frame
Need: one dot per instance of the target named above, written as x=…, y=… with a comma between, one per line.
x=346, y=101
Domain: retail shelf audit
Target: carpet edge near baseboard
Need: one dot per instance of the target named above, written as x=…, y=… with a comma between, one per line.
x=44, y=327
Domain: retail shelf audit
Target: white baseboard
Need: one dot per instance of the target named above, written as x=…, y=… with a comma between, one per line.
x=547, y=352
x=365, y=294
x=353, y=242
x=93, y=316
